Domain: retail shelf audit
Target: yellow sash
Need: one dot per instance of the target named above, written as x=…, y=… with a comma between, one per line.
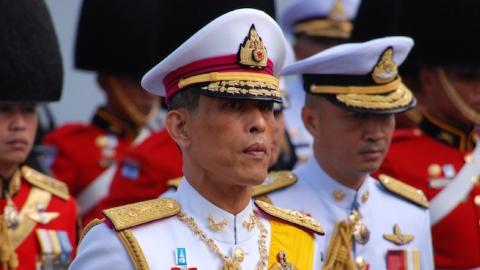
x=297, y=244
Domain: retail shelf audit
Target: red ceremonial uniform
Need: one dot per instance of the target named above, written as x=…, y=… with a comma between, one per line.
x=427, y=157
x=41, y=202
x=81, y=152
x=144, y=171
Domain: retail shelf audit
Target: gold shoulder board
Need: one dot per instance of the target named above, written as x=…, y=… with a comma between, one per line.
x=403, y=190
x=290, y=216
x=275, y=180
x=47, y=183
x=130, y=215
x=174, y=183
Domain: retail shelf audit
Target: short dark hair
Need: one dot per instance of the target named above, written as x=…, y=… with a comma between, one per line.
x=184, y=99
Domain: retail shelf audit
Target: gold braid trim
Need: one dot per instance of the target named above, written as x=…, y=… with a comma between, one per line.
x=338, y=253
x=264, y=198
x=401, y=97
x=371, y=89
x=89, y=226
x=8, y=257
x=325, y=28
x=134, y=250
x=45, y=182
x=230, y=76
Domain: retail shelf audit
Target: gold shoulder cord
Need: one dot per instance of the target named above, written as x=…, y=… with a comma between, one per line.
x=129, y=242
x=338, y=253
x=456, y=99
x=134, y=250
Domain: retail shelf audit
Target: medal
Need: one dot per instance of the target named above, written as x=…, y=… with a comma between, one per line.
x=360, y=232
x=238, y=254
x=10, y=213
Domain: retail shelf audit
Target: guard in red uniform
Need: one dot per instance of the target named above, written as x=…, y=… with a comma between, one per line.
x=437, y=156
x=119, y=40
x=38, y=218
x=143, y=172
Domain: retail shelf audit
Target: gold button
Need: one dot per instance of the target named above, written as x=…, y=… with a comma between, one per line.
x=476, y=200
x=468, y=158
x=434, y=170
x=365, y=196
x=338, y=195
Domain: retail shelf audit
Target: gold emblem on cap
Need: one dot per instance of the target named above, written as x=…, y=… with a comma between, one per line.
x=338, y=12
x=386, y=70
x=253, y=52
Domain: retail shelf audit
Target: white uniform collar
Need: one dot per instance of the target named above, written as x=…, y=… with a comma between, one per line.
x=333, y=192
x=195, y=205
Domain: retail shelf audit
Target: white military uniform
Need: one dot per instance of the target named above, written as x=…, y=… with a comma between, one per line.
x=102, y=249
x=302, y=140
x=315, y=193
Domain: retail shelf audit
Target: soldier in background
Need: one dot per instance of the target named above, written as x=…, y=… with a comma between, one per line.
x=38, y=222
x=313, y=26
x=436, y=157
x=119, y=40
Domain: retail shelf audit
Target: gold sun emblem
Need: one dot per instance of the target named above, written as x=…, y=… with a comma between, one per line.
x=253, y=52
x=386, y=70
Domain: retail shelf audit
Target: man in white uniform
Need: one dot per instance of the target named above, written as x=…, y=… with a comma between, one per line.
x=312, y=26
x=220, y=88
x=353, y=92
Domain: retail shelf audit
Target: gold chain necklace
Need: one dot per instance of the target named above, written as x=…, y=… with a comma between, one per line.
x=230, y=262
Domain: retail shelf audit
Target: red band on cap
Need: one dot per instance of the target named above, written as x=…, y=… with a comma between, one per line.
x=227, y=63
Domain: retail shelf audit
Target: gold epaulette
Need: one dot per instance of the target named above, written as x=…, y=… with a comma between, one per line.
x=174, y=183
x=290, y=216
x=130, y=215
x=403, y=190
x=46, y=183
x=275, y=180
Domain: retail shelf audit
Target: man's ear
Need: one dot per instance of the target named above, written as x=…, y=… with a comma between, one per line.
x=309, y=119
x=177, y=121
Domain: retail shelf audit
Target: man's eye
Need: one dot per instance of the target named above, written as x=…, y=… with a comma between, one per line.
x=266, y=106
x=234, y=105
x=5, y=108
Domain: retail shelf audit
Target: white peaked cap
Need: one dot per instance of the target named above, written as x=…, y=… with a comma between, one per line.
x=211, y=58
